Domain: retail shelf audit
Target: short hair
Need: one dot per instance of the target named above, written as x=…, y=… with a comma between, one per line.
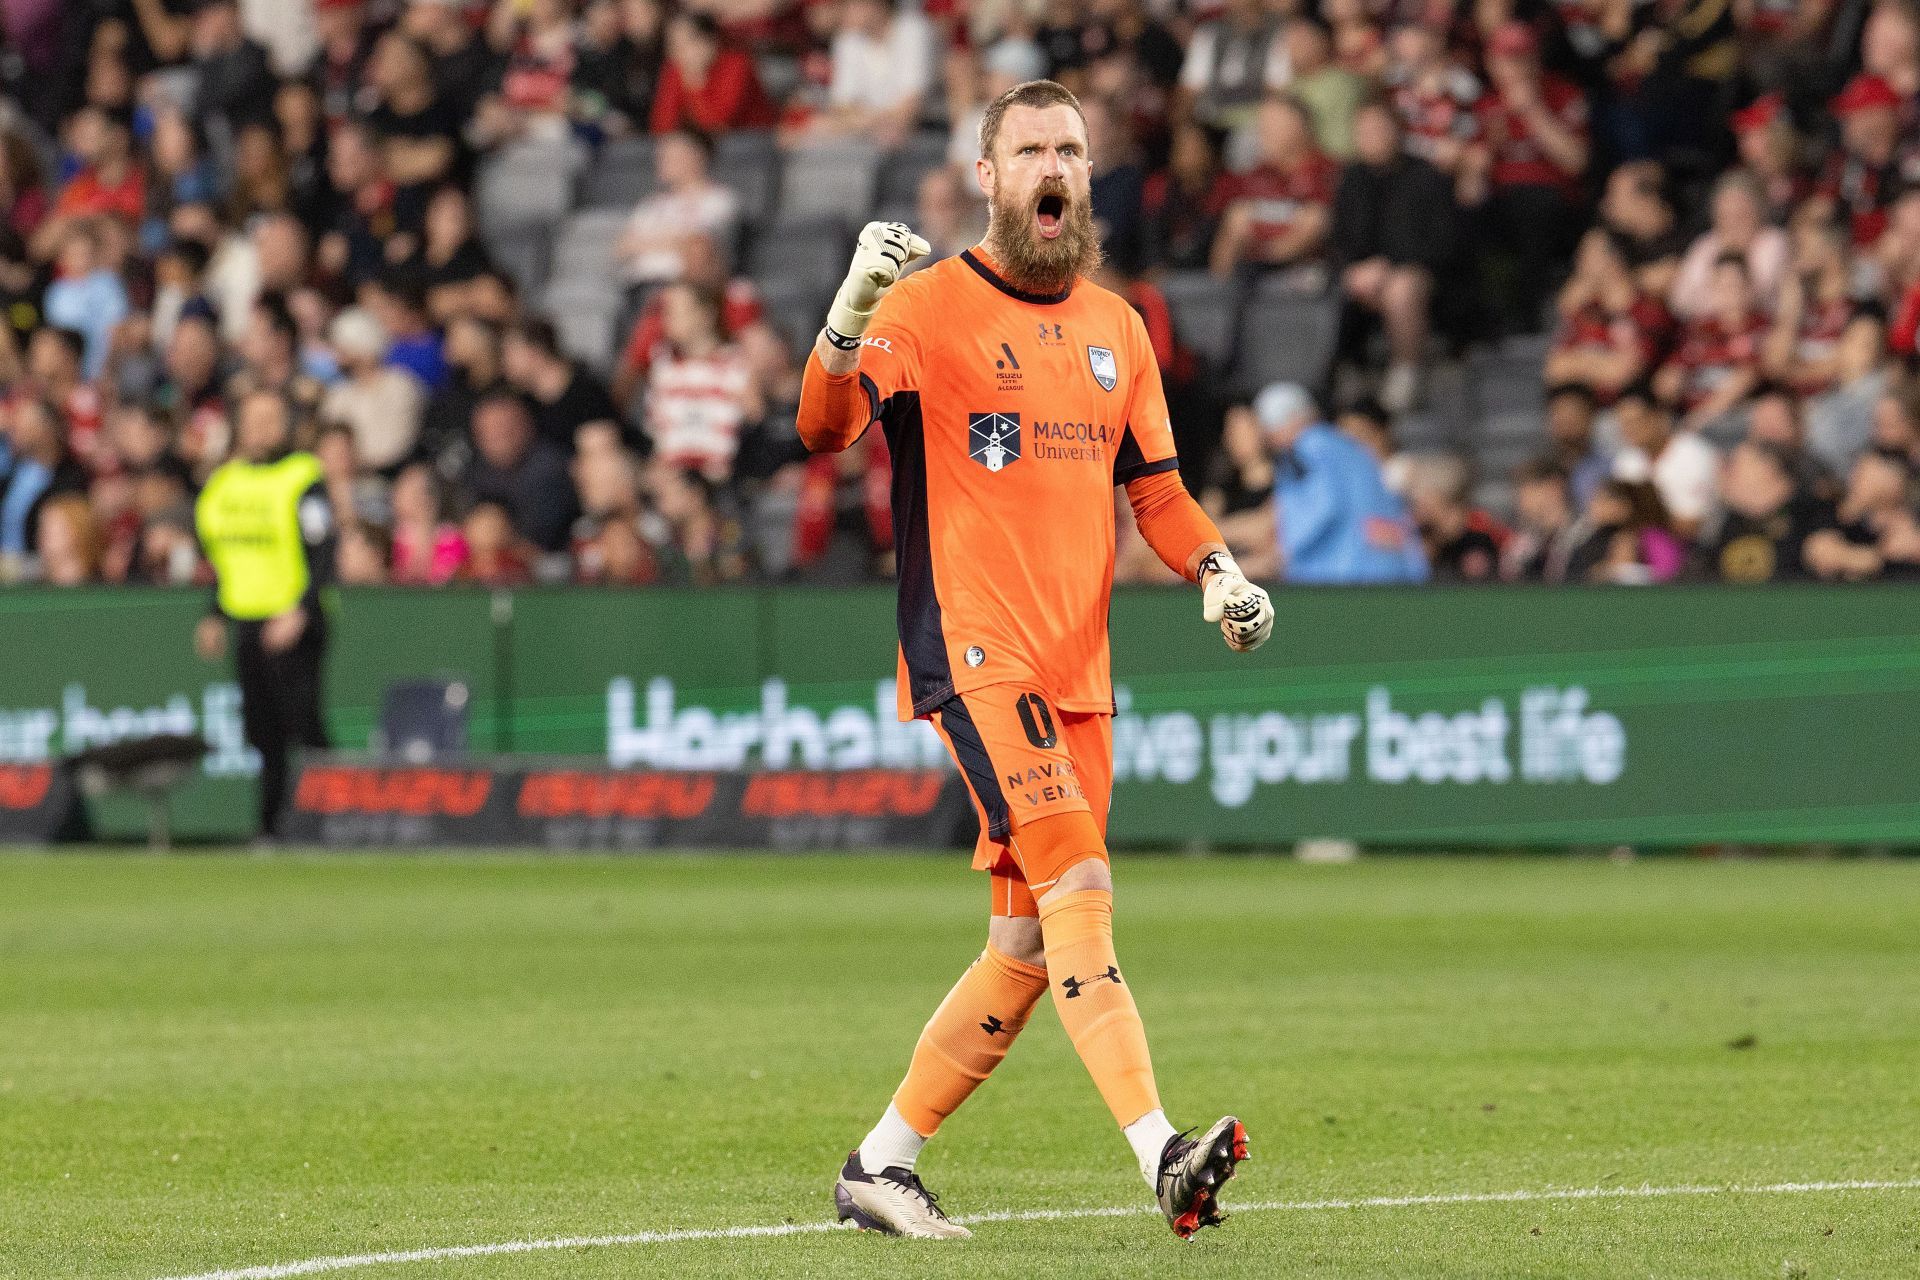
x=1380, y=102
x=538, y=334
x=72, y=339
x=1315, y=23
x=279, y=317
x=709, y=298
x=1575, y=390
x=700, y=138
x=1894, y=458
x=193, y=255
x=1369, y=409
x=504, y=396
x=1034, y=93
x=1641, y=392
x=1545, y=469
x=704, y=24
x=406, y=286
x=1781, y=458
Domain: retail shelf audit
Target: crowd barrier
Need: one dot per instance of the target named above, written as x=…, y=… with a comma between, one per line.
x=1485, y=717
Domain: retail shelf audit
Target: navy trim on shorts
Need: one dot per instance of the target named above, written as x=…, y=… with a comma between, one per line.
x=971, y=754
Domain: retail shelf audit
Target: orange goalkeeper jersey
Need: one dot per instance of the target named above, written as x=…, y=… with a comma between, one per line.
x=1011, y=417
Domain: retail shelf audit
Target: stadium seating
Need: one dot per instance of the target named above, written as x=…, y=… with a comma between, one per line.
x=1284, y=336
x=621, y=173
x=836, y=180
x=1205, y=314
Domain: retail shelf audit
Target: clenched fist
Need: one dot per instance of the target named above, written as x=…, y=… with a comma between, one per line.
x=884, y=250
x=1244, y=612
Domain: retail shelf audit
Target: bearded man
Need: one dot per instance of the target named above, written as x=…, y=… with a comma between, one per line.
x=1014, y=394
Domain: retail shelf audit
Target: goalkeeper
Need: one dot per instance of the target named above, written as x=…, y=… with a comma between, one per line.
x=1015, y=394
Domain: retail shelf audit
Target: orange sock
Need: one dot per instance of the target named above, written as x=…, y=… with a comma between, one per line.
x=967, y=1037
x=1094, y=1003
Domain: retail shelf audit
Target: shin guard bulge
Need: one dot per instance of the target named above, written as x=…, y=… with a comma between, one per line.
x=967, y=1037
x=1095, y=1005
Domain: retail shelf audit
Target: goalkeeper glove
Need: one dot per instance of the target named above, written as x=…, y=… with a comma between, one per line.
x=885, y=248
x=1244, y=612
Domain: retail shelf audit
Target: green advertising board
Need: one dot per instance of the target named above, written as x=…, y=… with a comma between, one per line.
x=1445, y=717
x=79, y=668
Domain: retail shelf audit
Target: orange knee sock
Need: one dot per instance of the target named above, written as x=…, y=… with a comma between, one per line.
x=967, y=1037
x=1094, y=1003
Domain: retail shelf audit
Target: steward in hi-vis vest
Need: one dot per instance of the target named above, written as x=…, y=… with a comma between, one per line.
x=267, y=528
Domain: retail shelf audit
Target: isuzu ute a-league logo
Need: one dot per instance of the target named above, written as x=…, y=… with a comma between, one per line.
x=993, y=439
x=1105, y=371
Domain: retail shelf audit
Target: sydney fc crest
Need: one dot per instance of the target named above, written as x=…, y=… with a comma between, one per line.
x=1105, y=371
x=993, y=439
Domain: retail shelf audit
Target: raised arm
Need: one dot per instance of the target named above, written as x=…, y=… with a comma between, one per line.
x=836, y=403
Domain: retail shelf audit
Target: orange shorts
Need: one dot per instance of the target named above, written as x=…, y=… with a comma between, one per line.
x=1023, y=760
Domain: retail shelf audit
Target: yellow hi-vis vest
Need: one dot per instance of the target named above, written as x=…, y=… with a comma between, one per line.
x=249, y=522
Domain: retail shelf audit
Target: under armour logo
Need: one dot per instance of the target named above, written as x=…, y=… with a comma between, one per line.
x=993, y=1026
x=1073, y=985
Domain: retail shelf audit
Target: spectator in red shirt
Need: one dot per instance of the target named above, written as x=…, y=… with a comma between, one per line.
x=1816, y=306
x=1526, y=168
x=1435, y=96
x=1610, y=331
x=1861, y=178
x=1181, y=202
x=1634, y=207
x=497, y=556
x=23, y=196
x=706, y=83
x=1890, y=49
x=1278, y=213
x=109, y=181
x=1769, y=148
x=705, y=267
x=537, y=39
x=54, y=364
x=701, y=394
x=607, y=545
x=1717, y=364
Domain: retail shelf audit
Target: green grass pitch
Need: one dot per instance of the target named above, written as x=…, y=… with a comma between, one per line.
x=212, y=1062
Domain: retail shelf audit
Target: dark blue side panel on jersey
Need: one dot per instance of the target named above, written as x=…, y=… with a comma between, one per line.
x=922, y=639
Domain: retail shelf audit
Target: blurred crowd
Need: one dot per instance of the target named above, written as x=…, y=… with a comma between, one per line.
x=1707, y=212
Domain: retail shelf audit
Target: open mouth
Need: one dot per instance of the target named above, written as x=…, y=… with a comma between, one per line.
x=1048, y=214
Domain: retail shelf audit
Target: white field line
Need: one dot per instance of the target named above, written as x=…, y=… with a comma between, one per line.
x=348, y=1262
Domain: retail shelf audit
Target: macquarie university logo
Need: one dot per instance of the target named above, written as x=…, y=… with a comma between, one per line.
x=993, y=439
x=1106, y=371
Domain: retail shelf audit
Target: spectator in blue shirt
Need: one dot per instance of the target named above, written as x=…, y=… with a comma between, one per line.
x=87, y=297
x=1333, y=518
x=36, y=468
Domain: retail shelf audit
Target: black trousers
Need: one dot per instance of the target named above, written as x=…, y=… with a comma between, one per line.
x=280, y=706
x=1532, y=229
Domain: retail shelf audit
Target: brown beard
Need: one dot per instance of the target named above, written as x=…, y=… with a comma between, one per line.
x=1042, y=266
